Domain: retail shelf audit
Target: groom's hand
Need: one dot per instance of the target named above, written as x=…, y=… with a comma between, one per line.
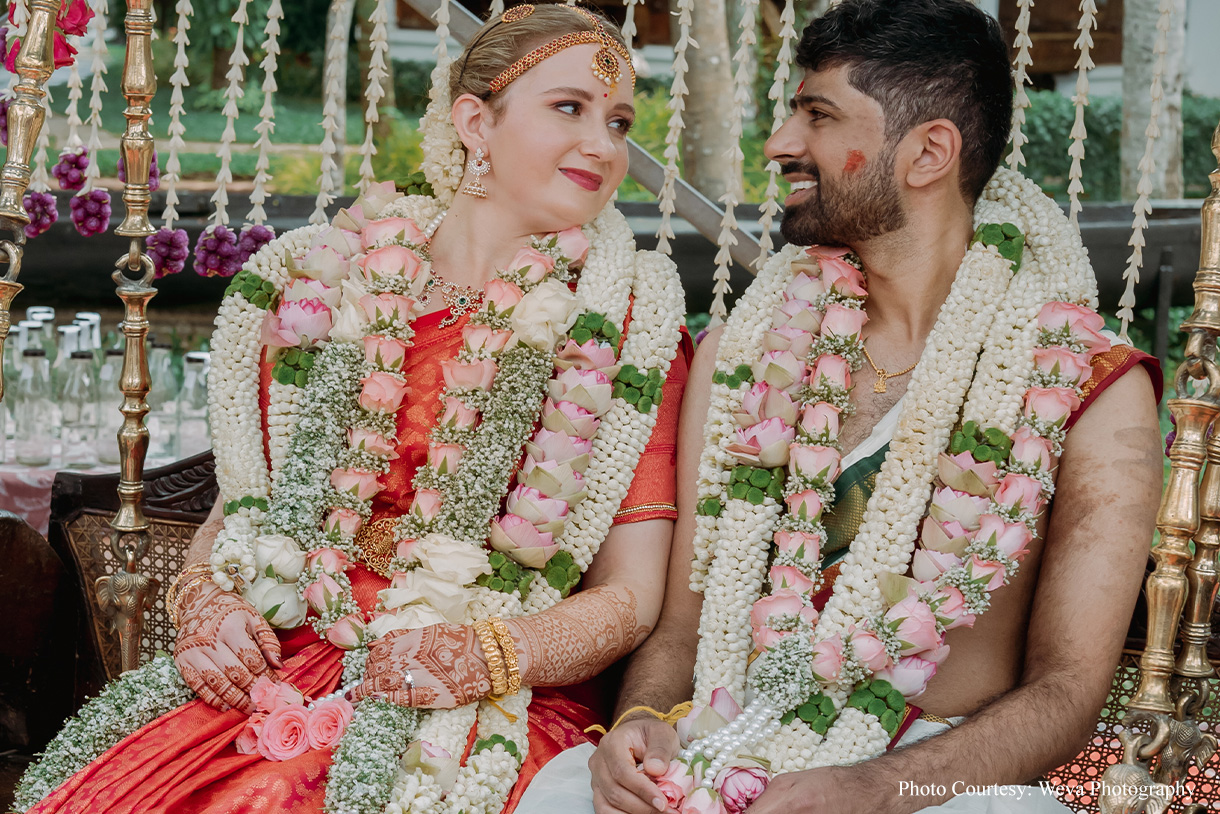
x=625, y=763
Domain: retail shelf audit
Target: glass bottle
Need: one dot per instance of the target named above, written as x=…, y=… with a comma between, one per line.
x=80, y=406
x=162, y=393
x=94, y=320
x=34, y=410
x=110, y=398
x=69, y=343
x=193, y=432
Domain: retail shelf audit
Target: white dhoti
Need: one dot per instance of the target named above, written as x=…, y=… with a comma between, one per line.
x=563, y=786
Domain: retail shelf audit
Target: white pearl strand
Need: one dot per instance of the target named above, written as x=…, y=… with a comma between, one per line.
x=757, y=722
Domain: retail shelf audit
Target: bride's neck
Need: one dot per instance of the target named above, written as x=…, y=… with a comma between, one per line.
x=474, y=241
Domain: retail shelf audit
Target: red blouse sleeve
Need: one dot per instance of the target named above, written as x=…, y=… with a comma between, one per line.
x=653, y=489
x=1108, y=367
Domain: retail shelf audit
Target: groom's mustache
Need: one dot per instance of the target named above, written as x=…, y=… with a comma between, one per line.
x=797, y=168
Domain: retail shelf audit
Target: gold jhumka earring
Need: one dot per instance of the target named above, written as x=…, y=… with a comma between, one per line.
x=478, y=167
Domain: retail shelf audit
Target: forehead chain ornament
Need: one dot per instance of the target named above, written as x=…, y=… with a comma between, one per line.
x=605, y=65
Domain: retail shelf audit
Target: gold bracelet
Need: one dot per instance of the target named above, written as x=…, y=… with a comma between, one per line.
x=509, y=648
x=495, y=661
x=192, y=575
x=175, y=609
x=175, y=587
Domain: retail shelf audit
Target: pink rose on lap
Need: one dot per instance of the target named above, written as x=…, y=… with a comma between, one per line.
x=326, y=723
x=284, y=734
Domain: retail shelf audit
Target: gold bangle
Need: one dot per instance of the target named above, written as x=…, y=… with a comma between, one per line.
x=509, y=648
x=190, y=576
x=495, y=661
x=175, y=587
x=175, y=609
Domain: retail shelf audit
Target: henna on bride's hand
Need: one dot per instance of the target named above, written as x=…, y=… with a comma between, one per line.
x=578, y=638
x=222, y=646
x=444, y=663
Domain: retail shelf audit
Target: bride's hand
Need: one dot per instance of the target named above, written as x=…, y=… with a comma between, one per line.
x=445, y=663
x=222, y=646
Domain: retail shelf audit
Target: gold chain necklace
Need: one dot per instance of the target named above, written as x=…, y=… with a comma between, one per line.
x=882, y=373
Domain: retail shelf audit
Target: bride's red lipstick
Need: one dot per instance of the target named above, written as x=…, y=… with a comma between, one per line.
x=588, y=180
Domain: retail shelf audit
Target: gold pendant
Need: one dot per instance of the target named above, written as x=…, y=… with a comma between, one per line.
x=376, y=544
x=879, y=386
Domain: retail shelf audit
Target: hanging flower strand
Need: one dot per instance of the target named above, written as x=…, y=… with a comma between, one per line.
x=169, y=247
x=69, y=171
x=770, y=205
x=1084, y=64
x=1143, y=208
x=379, y=46
x=676, y=104
x=733, y=188
x=256, y=234
x=91, y=207
x=332, y=93
x=1016, y=159
x=216, y=253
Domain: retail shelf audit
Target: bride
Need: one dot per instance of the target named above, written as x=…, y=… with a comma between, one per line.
x=444, y=432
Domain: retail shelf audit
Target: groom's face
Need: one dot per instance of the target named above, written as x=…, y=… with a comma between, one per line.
x=834, y=152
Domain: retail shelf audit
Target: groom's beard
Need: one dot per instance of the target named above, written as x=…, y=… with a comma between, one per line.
x=849, y=210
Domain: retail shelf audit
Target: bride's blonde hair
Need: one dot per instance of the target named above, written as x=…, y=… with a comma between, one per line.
x=502, y=42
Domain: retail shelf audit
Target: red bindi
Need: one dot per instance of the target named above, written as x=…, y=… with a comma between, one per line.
x=801, y=86
x=855, y=160
x=605, y=96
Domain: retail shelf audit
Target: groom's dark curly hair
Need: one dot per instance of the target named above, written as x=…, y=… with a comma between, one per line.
x=923, y=60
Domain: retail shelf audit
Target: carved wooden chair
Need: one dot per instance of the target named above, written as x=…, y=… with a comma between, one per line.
x=177, y=498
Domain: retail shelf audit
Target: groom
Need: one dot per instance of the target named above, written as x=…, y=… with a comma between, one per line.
x=900, y=120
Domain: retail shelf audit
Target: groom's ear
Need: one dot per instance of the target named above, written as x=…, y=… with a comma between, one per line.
x=471, y=116
x=930, y=151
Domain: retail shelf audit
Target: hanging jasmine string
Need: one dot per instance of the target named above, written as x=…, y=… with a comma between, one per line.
x=216, y=249
x=1143, y=207
x=266, y=123
x=169, y=247
x=331, y=95
x=677, y=104
x=1084, y=63
x=776, y=93
x=91, y=207
x=733, y=168
x=379, y=46
x=1021, y=64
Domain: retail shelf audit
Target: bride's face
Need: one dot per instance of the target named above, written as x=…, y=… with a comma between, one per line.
x=559, y=147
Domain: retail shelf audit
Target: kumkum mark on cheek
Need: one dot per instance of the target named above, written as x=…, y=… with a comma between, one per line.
x=855, y=161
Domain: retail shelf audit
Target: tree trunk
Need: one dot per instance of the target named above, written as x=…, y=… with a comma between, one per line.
x=364, y=35
x=707, y=140
x=1139, y=38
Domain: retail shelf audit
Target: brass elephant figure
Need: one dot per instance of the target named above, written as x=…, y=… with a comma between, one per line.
x=1128, y=788
x=124, y=596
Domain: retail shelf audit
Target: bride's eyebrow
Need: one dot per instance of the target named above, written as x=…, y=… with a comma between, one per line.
x=579, y=93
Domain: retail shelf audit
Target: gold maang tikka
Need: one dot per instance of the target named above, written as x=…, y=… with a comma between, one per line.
x=605, y=64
